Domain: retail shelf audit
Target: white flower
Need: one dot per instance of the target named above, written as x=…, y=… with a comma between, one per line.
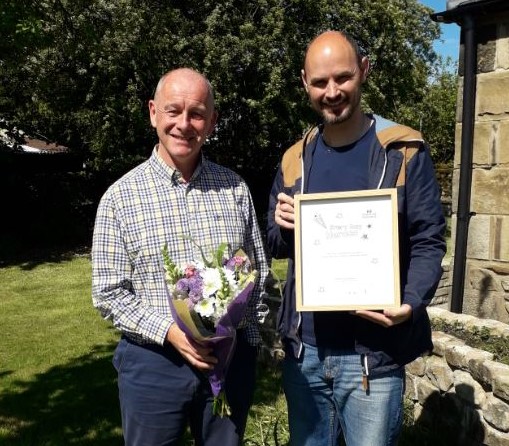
x=230, y=277
x=205, y=307
x=211, y=281
x=221, y=307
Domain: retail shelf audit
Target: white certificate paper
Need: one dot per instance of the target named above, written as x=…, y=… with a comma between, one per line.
x=346, y=251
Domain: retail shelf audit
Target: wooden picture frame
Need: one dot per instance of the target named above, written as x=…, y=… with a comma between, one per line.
x=347, y=251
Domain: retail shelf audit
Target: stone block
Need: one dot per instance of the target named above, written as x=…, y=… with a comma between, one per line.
x=417, y=367
x=493, y=437
x=459, y=104
x=457, y=146
x=485, y=304
x=492, y=93
x=444, y=315
x=411, y=387
x=475, y=365
x=502, y=142
x=501, y=384
x=468, y=389
x=502, y=47
x=495, y=327
x=492, y=370
x=439, y=373
x=484, y=143
x=486, y=37
x=489, y=190
x=427, y=393
x=443, y=341
x=457, y=356
x=483, y=279
x=417, y=411
x=455, y=192
x=499, y=246
x=496, y=413
x=478, y=245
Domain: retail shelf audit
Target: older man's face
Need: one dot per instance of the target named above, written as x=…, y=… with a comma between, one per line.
x=183, y=115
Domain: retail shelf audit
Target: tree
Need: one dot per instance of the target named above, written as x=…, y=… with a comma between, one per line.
x=439, y=112
x=435, y=113
x=84, y=70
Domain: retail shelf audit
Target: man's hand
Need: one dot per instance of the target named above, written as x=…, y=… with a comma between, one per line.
x=284, y=214
x=195, y=354
x=389, y=317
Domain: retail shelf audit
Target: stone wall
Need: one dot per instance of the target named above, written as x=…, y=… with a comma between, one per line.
x=460, y=391
x=487, y=267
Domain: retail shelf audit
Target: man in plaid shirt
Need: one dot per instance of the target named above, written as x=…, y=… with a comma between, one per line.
x=173, y=197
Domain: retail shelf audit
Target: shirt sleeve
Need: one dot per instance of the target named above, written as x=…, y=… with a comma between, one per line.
x=112, y=280
x=255, y=249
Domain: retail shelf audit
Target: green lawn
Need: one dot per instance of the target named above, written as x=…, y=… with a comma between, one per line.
x=57, y=384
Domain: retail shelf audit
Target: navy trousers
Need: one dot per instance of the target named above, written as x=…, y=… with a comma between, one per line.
x=161, y=394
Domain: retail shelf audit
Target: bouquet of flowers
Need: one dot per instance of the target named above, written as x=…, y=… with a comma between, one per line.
x=208, y=299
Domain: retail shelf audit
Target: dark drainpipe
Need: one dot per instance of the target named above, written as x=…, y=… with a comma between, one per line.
x=465, y=180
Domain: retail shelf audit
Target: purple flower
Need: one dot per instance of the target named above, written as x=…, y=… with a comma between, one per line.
x=237, y=262
x=195, y=284
x=182, y=285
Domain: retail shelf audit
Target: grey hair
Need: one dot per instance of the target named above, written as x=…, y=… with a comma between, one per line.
x=189, y=71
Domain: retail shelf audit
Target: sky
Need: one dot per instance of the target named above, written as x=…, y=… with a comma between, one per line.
x=448, y=44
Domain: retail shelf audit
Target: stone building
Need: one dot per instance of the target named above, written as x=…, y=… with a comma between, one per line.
x=480, y=270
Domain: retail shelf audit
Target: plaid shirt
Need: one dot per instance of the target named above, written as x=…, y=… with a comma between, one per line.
x=151, y=206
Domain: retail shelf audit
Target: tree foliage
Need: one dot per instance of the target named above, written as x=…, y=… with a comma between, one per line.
x=81, y=72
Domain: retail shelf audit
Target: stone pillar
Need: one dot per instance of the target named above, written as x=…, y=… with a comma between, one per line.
x=487, y=267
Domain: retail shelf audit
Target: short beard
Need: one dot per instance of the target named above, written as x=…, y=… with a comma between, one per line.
x=333, y=119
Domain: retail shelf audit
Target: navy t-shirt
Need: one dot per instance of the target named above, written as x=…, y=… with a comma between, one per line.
x=336, y=169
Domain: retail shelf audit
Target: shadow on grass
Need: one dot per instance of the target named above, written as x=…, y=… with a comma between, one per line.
x=76, y=403
x=27, y=257
x=268, y=384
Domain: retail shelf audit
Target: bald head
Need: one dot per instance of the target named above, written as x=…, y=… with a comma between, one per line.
x=333, y=75
x=189, y=75
x=330, y=43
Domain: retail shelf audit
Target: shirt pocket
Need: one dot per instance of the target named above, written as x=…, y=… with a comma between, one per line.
x=222, y=224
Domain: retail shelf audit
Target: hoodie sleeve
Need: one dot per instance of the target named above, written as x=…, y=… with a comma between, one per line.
x=425, y=226
x=279, y=240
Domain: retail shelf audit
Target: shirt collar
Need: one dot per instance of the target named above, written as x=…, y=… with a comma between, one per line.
x=172, y=174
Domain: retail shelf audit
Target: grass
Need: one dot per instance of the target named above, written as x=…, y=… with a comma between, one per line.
x=57, y=383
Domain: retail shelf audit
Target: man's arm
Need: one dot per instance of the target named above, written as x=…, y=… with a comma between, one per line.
x=255, y=250
x=112, y=287
x=425, y=227
x=113, y=294
x=280, y=220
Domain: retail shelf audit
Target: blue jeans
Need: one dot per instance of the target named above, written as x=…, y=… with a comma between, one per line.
x=325, y=396
x=160, y=394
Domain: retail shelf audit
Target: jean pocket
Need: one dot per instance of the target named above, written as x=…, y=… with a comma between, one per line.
x=120, y=354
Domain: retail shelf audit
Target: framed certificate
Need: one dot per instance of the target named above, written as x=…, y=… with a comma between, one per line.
x=346, y=251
